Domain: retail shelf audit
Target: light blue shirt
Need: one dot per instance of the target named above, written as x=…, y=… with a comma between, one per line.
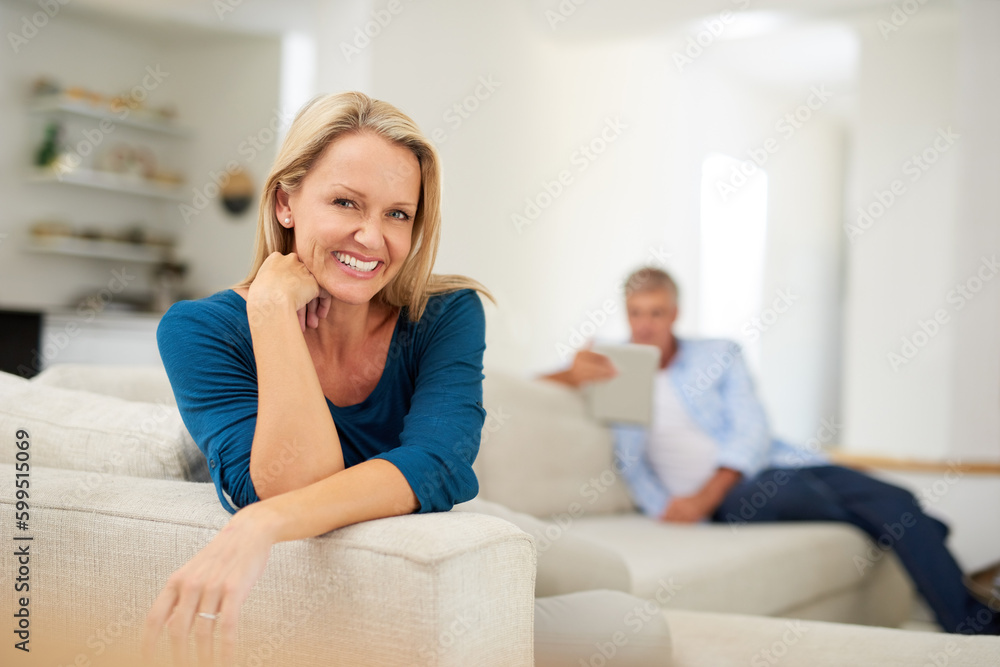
x=715, y=388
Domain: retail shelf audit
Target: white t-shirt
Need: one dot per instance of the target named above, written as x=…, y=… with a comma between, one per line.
x=683, y=456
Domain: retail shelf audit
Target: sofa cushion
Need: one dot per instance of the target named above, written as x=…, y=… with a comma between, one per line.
x=730, y=640
x=147, y=383
x=600, y=628
x=566, y=563
x=80, y=430
x=542, y=454
x=764, y=569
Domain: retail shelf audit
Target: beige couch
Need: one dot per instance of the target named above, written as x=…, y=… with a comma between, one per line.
x=120, y=499
x=543, y=456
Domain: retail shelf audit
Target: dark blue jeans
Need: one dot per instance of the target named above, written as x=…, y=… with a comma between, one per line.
x=888, y=514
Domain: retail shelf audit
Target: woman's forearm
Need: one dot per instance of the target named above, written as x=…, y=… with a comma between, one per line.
x=295, y=442
x=373, y=489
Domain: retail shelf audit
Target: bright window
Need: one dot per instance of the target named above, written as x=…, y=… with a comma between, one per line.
x=733, y=236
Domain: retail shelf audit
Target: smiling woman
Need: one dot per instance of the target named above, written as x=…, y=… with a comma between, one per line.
x=341, y=381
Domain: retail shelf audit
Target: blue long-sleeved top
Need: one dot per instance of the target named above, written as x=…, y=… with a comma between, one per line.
x=715, y=388
x=425, y=415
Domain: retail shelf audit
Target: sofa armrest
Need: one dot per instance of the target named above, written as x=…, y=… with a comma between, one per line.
x=433, y=589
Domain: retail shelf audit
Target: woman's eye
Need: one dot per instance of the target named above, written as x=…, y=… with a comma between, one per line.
x=400, y=215
x=345, y=203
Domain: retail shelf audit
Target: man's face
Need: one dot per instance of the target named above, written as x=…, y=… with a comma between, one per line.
x=651, y=315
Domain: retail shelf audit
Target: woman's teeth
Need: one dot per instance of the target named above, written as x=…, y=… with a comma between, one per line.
x=354, y=263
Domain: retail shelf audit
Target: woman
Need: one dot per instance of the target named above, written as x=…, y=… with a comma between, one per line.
x=295, y=383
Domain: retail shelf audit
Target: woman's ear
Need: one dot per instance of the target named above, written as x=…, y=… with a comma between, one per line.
x=282, y=208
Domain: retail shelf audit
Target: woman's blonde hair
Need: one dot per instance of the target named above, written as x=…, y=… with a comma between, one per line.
x=319, y=122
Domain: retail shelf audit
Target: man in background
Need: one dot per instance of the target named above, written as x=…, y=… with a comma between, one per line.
x=709, y=455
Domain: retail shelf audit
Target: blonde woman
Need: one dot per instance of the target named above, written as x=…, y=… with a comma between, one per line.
x=341, y=381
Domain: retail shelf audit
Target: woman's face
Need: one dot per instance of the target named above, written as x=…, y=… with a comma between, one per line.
x=352, y=216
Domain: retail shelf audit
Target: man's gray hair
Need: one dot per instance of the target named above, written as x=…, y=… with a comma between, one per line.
x=647, y=279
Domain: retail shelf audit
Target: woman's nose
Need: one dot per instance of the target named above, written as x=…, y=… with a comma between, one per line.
x=369, y=233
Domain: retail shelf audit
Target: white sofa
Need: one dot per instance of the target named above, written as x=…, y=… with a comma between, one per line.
x=542, y=455
x=120, y=499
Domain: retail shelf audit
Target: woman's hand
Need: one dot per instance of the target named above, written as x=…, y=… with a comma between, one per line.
x=216, y=581
x=286, y=277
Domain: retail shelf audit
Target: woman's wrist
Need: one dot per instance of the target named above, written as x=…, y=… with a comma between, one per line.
x=261, y=520
x=267, y=308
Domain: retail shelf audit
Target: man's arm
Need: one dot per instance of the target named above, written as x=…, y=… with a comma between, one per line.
x=701, y=505
x=587, y=367
x=743, y=433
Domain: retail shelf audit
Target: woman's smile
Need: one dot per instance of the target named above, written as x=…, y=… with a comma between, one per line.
x=353, y=266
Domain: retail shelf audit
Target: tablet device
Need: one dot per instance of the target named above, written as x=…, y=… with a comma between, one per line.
x=627, y=397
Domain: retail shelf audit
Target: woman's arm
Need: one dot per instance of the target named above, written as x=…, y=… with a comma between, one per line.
x=295, y=441
x=219, y=578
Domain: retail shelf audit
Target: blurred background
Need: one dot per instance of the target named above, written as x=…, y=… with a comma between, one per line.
x=820, y=177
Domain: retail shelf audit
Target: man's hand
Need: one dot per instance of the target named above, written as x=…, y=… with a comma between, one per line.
x=688, y=509
x=588, y=366
x=702, y=505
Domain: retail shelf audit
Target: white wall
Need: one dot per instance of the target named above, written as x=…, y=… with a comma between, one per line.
x=637, y=203
x=903, y=268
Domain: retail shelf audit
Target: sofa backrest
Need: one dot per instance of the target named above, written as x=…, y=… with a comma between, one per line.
x=96, y=433
x=542, y=454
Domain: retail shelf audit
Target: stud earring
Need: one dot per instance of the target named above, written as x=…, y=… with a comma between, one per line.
x=287, y=220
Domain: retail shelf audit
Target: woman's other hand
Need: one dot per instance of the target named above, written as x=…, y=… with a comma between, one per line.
x=286, y=277
x=215, y=582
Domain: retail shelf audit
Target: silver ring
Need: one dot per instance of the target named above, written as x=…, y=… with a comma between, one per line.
x=211, y=617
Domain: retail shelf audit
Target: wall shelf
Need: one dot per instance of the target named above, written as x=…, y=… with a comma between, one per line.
x=99, y=249
x=55, y=104
x=106, y=180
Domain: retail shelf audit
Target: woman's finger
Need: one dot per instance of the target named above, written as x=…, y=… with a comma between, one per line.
x=204, y=625
x=302, y=318
x=229, y=616
x=312, y=321
x=156, y=620
x=180, y=621
x=324, y=304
